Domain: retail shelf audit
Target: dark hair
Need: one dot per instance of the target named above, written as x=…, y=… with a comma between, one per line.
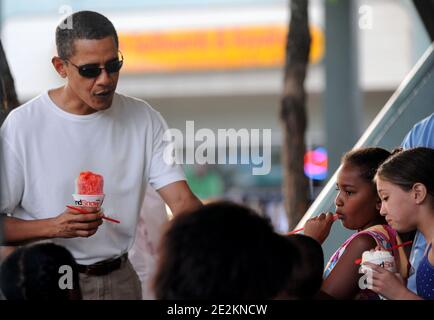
x=367, y=160
x=409, y=167
x=32, y=273
x=307, y=275
x=85, y=25
x=222, y=251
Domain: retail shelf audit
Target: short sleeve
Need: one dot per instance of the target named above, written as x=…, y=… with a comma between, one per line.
x=162, y=172
x=11, y=178
x=407, y=143
x=421, y=135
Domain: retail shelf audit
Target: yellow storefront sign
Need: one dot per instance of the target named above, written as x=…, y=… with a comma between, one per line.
x=211, y=49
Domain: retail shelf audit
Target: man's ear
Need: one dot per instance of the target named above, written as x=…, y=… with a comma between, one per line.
x=419, y=192
x=59, y=65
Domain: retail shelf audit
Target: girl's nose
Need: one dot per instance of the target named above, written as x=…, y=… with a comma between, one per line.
x=338, y=200
x=383, y=210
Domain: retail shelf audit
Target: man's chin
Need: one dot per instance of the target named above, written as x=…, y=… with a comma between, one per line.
x=102, y=105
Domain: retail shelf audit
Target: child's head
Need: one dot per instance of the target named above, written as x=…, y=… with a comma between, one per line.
x=33, y=273
x=405, y=183
x=221, y=251
x=307, y=273
x=357, y=202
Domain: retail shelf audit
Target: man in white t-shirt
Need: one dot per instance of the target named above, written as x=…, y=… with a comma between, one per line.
x=86, y=126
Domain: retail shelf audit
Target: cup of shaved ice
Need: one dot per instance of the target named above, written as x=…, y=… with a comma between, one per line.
x=381, y=258
x=89, y=190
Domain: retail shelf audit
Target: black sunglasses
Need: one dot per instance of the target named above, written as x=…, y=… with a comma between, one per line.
x=93, y=70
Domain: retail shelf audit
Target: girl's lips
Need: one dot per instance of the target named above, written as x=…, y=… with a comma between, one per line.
x=340, y=215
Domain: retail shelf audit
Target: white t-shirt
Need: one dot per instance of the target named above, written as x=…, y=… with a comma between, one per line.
x=43, y=149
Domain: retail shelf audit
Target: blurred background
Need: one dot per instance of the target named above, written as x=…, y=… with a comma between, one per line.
x=220, y=64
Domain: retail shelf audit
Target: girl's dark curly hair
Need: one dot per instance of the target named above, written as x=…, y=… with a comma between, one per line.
x=32, y=273
x=222, y=251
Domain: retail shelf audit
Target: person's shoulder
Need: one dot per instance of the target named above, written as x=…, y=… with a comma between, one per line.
x=358, y=244
x=139, y=111
x=421, y=134
x=428, y=121
x=133, y=103
x=27, y=108
x=23, y=115
x=362, y=242
x=424, y=124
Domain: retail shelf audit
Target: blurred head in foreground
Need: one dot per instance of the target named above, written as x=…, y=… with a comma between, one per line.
x=222, y=251
x=43, y=271
x=308, y=267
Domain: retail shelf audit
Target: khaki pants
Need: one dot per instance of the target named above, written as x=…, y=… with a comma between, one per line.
x=121, y=284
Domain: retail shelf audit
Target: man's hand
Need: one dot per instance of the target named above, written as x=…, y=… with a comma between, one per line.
x=319, y=227
x=71, y=223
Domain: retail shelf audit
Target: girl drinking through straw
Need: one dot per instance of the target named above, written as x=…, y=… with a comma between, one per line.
x=358, y=208
x=405, y=184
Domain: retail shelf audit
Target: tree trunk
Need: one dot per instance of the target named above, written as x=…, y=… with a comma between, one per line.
x=293, y=113
x=8, y=96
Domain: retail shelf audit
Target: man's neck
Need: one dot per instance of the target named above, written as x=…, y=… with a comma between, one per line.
x=68, y=104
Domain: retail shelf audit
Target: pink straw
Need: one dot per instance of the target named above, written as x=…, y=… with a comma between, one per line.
x=84, y=211
x=335, y=217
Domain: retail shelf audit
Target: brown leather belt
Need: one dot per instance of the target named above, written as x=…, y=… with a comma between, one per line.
x=103, y=267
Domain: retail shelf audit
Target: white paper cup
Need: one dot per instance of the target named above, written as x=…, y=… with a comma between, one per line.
x=90, y=201
x=381, y=258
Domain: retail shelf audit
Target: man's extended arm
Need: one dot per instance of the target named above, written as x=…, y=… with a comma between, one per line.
x=179, y=197
x=69, y=224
